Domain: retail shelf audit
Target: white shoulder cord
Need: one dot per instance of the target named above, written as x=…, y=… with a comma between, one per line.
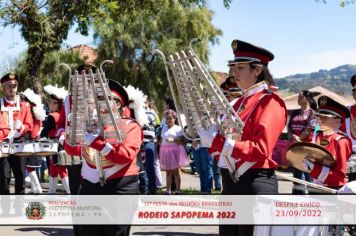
x=10, y=113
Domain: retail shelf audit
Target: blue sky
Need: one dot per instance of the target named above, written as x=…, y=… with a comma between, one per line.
x=304, y=35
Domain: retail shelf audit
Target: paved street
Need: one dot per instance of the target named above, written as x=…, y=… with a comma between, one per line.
x=188, y=182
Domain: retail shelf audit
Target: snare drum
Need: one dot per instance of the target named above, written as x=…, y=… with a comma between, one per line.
x=351, y=164
x=22, y=149
x=67, y=160
x=45, y=148
x=5, y=149
x=352, y=158
x=350, y=167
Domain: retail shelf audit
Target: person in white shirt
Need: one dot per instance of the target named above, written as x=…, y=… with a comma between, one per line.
x=172, y=153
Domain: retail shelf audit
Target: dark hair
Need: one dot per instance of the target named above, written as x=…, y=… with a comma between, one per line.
x=60, y=104
x=24, y=98
x=171, y=112
x=353, y=78
x=265, y=74
x=310, y=99
x=60, y=101
x=169, y=101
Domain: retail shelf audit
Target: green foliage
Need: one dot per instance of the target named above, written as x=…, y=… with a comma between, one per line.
x=200, y=2
x=44, y=25
x=128, y=38
x=49, y=70
x=126, y=31
x=343, y=3
x=59, y=75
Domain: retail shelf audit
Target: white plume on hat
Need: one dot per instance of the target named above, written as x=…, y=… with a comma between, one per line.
x=60, y=93
x=138, y=99
x=38, y=110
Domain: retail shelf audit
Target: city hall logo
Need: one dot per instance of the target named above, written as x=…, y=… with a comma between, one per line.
x=35, y=211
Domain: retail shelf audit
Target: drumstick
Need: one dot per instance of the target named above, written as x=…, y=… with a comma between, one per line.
x=317, y=186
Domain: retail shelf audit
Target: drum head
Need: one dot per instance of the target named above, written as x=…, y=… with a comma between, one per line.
x=4, y=149
x=315, y=153
x=45, y=154
x=352, y=158
x=23, y=154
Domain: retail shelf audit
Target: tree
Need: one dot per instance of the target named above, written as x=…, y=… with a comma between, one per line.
x=129, y=38
x=343, y=3
x=51, y=73
x=44, y=24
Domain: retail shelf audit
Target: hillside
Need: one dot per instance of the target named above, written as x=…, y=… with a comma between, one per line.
x=336, y=79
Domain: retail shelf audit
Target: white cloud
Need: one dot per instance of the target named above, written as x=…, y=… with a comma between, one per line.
x=313, y=62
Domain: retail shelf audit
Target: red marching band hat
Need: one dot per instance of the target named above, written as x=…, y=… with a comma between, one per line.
x=9, y=77
x=331, y=108
x=245, y=52
x=118, y=91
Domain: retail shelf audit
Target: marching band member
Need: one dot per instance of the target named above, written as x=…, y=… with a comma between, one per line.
x=146, y=158
x=227, y=84
x=122, y=173
x=264, y=114
x=15, y=121
x=39, y=115
x=74, y=171
x=55, y=103
x=330, y=116
x=351, y=130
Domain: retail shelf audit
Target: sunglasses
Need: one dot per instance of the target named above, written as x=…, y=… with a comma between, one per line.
x=12, y=86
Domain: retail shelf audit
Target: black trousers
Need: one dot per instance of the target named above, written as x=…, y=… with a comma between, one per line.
x=48, y=161
x=74, y=176
x=18, y=166
x=252, y=182
x=120, y=186
x=351, y=177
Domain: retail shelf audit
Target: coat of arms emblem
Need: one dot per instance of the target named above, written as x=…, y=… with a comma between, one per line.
x=35, y=211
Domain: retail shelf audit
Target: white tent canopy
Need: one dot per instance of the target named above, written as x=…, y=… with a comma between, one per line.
x=292, y=100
